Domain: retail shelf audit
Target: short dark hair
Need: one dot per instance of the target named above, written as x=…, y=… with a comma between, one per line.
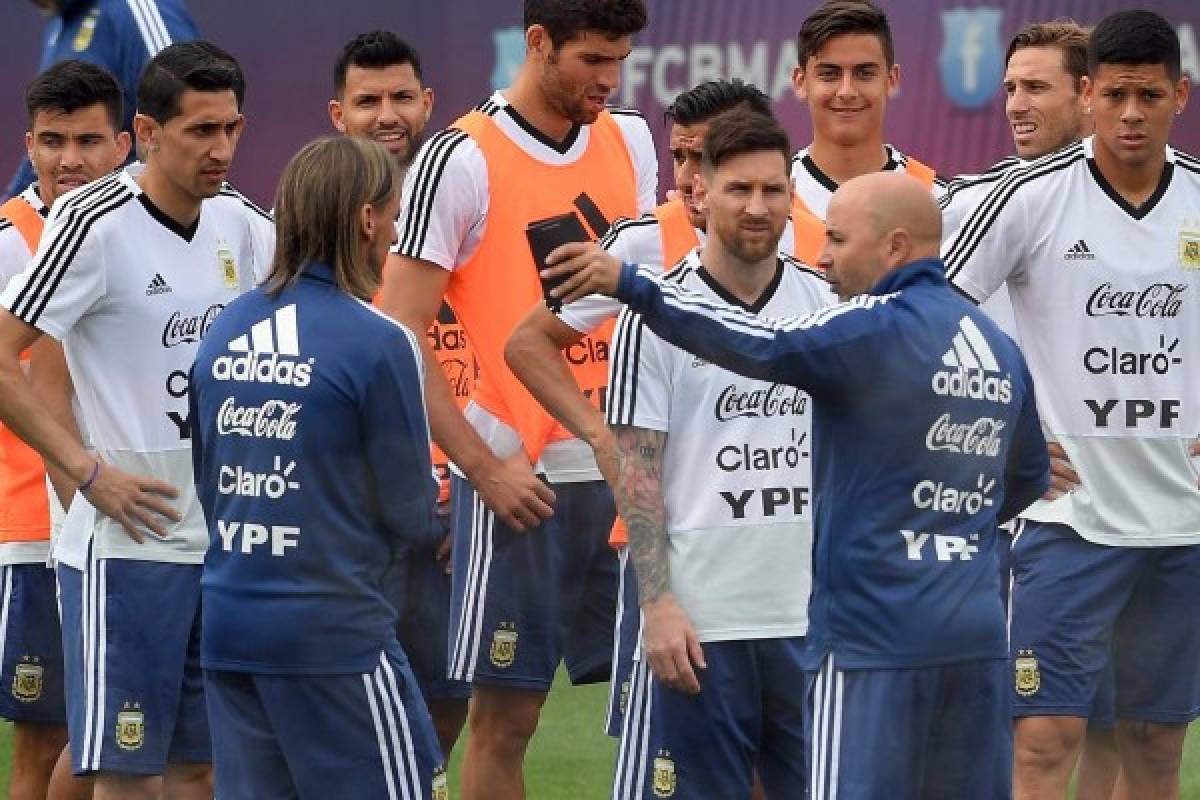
x=374, y=50
x=1134, y=38
x=740, y=131
x=703, y=102
x=197, y=65
x=840, y=17
x=564, y=20
x=71, y=85
x=1064, y=33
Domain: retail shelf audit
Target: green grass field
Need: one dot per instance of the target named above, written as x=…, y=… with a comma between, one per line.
x=571, y=758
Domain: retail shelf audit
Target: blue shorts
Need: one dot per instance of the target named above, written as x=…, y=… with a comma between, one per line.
x=523, y=602
x=419, y=588
x=31, y=660
x=748, y=717
x=626, y=634
x=330, y=736
x=929, y=733
x=1078, y=605
x=131, y=648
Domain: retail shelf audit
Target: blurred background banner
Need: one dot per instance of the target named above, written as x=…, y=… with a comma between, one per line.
x=949, y=112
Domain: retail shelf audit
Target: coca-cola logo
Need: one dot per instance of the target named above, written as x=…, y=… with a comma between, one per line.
x=778, y=400
x=1156, y=301
x=979, y=437
x=274, y=419
x=183, y=329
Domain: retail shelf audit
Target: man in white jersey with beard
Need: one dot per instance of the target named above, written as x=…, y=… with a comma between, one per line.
x=1106, y=229
x=129, y=274
x=714, y=485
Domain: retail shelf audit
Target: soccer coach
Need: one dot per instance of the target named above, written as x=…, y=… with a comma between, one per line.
x=311, y=452
x=925, y=436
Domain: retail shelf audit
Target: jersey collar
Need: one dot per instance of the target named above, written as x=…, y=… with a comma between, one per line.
x=924, y=271
x=316, y=271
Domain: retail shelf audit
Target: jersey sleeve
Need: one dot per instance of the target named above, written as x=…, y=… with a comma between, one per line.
x=1027, y=472
x=642, y=153
x=814, y=352
x=14, y=254
x=445, y=201
x=66, y=277
x=986, y=249
x=626, y=241
x=640, y=376
x=397, y=442
x=262, y=242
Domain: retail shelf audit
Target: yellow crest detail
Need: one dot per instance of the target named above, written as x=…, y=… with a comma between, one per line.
x=624, y=696
x=228, y=266
x=27, y=682
x=441, y=788
x=131, y=727
x=1189, y=250
x=504, y=645
x=665, y=779
x=1028, y=676
x=87, y=30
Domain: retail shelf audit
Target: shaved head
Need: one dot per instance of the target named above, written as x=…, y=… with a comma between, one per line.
x=875, y=224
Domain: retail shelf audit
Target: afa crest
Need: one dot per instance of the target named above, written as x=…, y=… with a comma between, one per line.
x=665, y=779
x=131, y=727
x=1028, y=675
x=440, y=786
x=228, y=266
x=503, y=651
x=972, y=58
x=1189, y=248
x=509, y=44
x=86, y=32
x=27, y=680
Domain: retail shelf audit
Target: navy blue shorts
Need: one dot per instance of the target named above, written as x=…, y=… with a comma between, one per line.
x=524, y=602
x=929, y=733
x=626, y=635
x=419, y=588
x=1078, y=605
x=331, y=736
x=31, y=660
x=131, y=647
x=748, y=717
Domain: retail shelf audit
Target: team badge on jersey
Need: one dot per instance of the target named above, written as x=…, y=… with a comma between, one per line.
x=440, y=786
x=228, y=266
x=1028, y=676
x=972, y=57
x=131, y=727
x=27, y=680
x=1189, y=248
x=87, y=30
x=503, y=651
x=665, y=779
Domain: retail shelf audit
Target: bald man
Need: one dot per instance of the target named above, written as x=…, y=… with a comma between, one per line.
x=925, y=435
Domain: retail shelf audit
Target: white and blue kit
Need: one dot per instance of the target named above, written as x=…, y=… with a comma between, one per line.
x=312, y=458
x=925, y=433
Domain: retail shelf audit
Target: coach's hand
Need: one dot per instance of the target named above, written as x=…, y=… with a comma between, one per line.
x=134, y=501
x=584, y=269
x=671, y=645
x=514, y=493
x=1063, y=477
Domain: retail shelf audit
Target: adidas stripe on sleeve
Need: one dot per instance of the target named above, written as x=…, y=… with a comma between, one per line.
x=632, y=241
x=67, y=274
x=445, y=201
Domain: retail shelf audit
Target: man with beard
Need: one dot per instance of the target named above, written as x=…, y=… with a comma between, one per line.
x=533, y=585
x=380, y=94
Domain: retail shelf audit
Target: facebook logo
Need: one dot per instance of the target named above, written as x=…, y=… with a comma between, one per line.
x=972, y=58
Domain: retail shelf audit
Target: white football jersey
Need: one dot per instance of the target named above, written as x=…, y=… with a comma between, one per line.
x=737, y=477
x=130, y=293
x=1103, y=295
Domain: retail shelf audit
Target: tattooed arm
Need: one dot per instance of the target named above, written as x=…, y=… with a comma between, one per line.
x=669, y=641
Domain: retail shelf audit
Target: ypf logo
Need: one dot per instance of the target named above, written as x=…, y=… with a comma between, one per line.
x=509, y=44
x=972, y=57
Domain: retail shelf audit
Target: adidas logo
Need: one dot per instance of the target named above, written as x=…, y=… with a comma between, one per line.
x=973, y=372
x=158, y=285
x=267, y=354
x=1079, y=252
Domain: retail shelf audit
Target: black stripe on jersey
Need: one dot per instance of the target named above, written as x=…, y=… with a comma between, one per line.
x=1181, y=156
x=800, y=265
x=985, y=214
x=229, y=191
x=434, y=157
x=625, y=111
x=58, y=256
x=91, y=190
x=488, y=107
x=623, y=224
x=561, y=147
x=1190, y=166
x=993, y=174
x=1138, y=212
x=5, y=223
x=964, y=293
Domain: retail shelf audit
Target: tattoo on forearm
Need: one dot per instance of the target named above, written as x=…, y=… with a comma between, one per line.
x=639, y=495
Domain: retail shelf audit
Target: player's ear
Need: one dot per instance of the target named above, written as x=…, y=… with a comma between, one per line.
x=798, y=83
x=1183, y=88
x=124, y=143
x=538, y=42
x=893, y=80
x=367, y=221
x=700, y=190
x=147, y=131
x=29, y=145
x=1087, y=93
x=335, y=115
x=427, y=99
